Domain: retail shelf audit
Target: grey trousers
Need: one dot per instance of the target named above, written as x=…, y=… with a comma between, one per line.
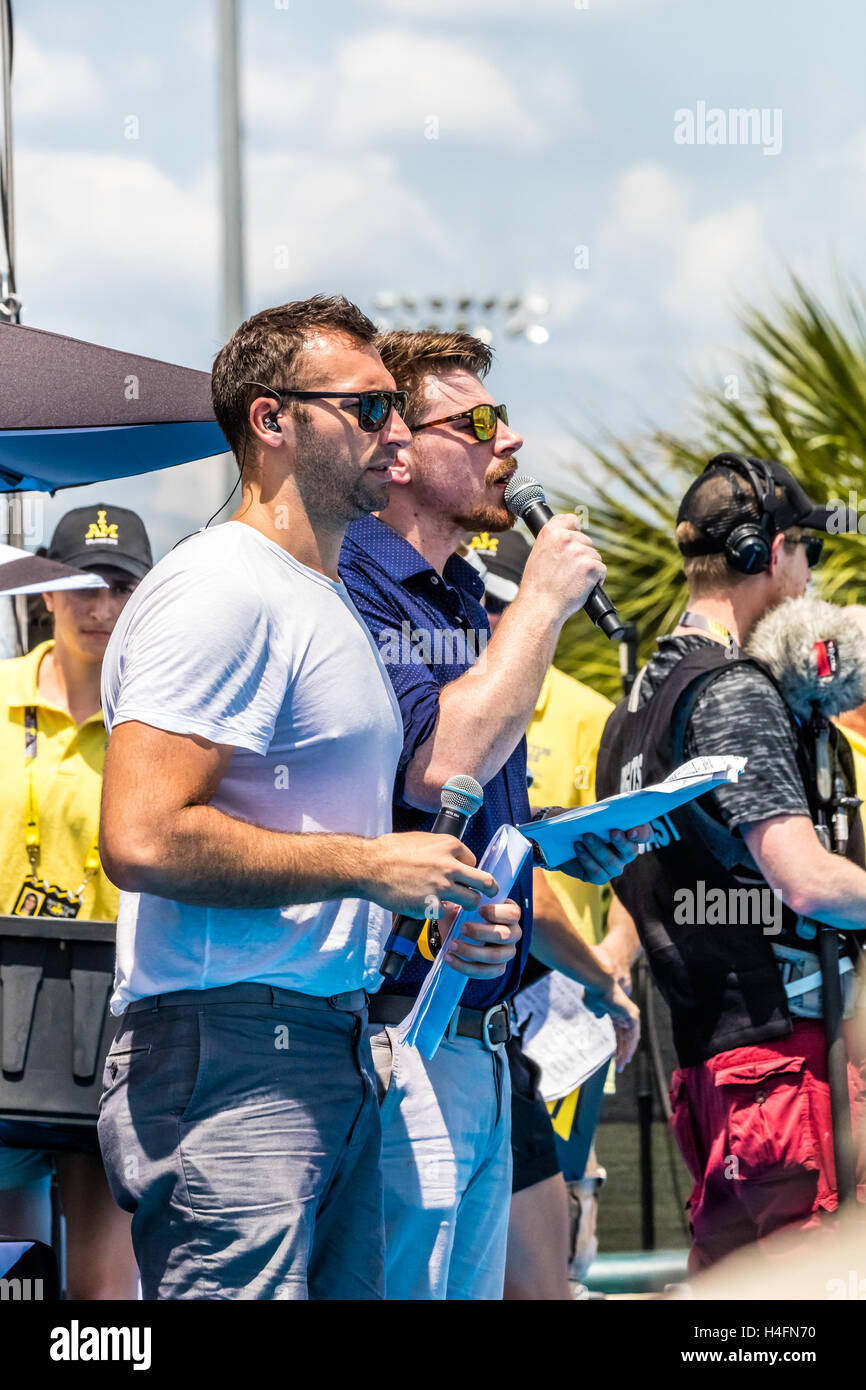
x=240, y=1126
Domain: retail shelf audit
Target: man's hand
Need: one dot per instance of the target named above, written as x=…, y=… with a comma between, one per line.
x=562, y=569
x=490, y=944
x=597, y=860
x=412, y=873
x=625, y=1017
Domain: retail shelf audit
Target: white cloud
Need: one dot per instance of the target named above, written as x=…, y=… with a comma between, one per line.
x=390, y=83
x=52, y=85
x=508, y=9
x=104, y=234
x=393, y=81
x=718, y=258
x=319, y=222
x=102, y=223
x=690, y=264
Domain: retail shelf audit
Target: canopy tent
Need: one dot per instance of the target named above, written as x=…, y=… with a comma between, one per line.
x=74, y=413
x=23, y=573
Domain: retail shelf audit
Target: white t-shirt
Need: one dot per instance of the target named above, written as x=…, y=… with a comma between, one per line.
x=231, y=638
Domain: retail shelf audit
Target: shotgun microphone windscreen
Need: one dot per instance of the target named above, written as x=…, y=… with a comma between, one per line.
x=816, y=652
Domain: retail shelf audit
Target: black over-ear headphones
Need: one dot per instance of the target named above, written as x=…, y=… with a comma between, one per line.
x=749, y=545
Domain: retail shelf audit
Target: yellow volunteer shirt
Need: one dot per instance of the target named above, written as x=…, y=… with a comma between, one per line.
x=562, y=747
x=68, y=781
x=858, y=750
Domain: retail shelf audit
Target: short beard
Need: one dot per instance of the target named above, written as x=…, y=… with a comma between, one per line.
x=326, y=494
x=486, y=517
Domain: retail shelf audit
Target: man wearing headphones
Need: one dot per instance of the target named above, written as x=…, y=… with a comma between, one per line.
x=751, y=1108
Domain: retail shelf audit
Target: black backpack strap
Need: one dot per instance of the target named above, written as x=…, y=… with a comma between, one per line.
x=726, y=848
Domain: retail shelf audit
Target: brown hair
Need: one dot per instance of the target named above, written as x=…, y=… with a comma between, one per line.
x=412, y=357
x=266, y=348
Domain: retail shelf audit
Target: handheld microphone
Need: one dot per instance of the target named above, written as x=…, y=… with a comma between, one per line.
x=461, y=798
x=524, y=497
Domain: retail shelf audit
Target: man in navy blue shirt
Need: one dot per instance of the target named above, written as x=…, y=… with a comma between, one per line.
x=446, y=1154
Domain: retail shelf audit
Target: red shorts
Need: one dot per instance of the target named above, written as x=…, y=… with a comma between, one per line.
x=753, y=1126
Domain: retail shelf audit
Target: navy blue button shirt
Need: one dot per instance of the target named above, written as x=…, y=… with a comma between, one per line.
x=427, y=629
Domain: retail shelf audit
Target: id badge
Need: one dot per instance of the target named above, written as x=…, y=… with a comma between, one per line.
x=38, y=898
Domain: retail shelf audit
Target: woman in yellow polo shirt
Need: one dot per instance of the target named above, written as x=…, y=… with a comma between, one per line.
x=52, y=748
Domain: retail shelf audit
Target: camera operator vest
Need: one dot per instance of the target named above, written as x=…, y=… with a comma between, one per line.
x=707, y=919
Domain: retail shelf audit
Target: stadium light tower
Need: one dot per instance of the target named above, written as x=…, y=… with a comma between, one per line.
x=484, y=316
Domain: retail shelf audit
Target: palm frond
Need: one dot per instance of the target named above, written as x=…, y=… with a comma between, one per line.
x=802, y=400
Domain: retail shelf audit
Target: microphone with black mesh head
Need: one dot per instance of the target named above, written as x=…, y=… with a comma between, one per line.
x=524, y=498
x=461, y=797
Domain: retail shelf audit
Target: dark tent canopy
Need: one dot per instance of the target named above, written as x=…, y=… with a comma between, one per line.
x=74, y=413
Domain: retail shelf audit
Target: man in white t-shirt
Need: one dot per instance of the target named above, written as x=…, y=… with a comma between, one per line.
x=246, y=817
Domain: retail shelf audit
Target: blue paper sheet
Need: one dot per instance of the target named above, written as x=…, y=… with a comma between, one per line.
x=426, y=1025
x=555, y=837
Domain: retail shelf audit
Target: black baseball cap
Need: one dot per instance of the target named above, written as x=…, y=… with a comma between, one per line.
x=89, y=537
x=504, y=559
x=724, y=497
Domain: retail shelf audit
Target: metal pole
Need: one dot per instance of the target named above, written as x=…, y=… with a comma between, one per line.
x=234, y=289
x=14, y=615
x=10, y=306
x=231, y=186
x=837, y=1067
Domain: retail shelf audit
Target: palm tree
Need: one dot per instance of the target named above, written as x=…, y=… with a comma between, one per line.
x=802, y=401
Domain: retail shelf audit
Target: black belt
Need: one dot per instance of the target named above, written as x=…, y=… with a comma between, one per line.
x=352, y=1001
x=490, y=1026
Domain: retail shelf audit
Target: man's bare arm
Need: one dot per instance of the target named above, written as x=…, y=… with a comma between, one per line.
x=811, y=881
x=160, y=835
x=557, y=943
x=484, y=713
x=620, y=946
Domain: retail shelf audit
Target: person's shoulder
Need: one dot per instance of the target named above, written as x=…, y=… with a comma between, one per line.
x=742, y=691
x=18, y=672
x=744, y=675
x=224, y=556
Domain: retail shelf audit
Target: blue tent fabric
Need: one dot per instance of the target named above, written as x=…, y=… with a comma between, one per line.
x=44, y=460
x=72, y=412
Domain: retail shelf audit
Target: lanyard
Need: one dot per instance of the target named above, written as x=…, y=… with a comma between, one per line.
x=710, y=625
x=32, y=841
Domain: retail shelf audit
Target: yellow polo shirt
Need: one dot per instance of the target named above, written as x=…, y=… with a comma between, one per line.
x=858, y=751
x=68, y=782
x=562, y=747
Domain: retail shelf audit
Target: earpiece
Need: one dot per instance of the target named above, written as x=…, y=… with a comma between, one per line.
x=271, y=423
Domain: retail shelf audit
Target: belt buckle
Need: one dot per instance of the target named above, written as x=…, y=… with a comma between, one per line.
x=486, y=1021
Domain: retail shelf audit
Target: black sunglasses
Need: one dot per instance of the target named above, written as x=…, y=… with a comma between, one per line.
x=814, y=547
x=374, y=407
x=483, y=419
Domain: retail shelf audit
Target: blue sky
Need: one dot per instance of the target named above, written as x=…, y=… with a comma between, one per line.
x=555, y=130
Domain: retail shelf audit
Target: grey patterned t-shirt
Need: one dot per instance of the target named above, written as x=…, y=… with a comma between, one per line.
x=741, y=713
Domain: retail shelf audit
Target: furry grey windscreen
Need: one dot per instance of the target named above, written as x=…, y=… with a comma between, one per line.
x=785, y=642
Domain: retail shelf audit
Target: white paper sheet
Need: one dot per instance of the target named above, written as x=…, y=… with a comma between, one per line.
x=561, y=1035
